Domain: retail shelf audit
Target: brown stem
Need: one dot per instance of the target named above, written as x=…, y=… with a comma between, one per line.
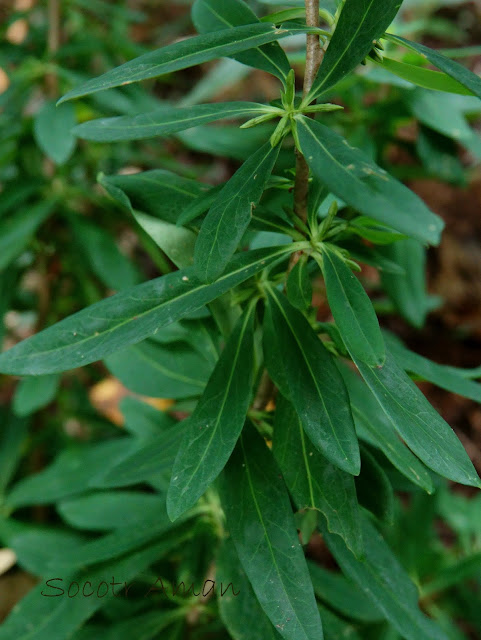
x=314, y=54
x=313, y=61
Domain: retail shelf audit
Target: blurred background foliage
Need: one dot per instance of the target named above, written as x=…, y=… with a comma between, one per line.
x=65, y=243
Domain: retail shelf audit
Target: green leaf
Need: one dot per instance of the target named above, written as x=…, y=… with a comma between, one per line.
x=313, y=482
x=363, y=185
x=377, y=429
x=439, y=156
x=70, y=474
x=449, y=378
x=315, y=386
x=17, y=230
x=12, y=442
x=407, y=291
x=418, y=423
x=336, y=627
x=107, y=510
x=200, y=334
x=128, y=317
x=160, y=193
x=227, y=141
x=35, y=547
x=454, y=574
x=298, y=287
x=199, y=206
x=352, y=309
x=123, y=540
x=444, y=115
x=209, y=15
x=176, y=242
x=229, y=216
x=373, y=488
x=217, y=420
x=155, y=458
x=239, y=600
x=184, y=54
x=452, y=68
x=35, y=393
x=106, y=260
x=165, y=121
x=146, y=626
x=374, y=232
x=36, y=618
x=426, y=78
x=160, y=371
x=385, y=584
x=143, y=420
x=360, y=22
x=342, y=595
x=370, y=255
x=260, y=520
x=52, y=128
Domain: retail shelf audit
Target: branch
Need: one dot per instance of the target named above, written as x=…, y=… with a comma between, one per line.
x=313, y=61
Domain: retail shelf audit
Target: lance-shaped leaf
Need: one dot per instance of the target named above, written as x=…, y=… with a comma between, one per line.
x=52, y=129
x=107, y=510
x=70, y=473
x=449, y=378
x=350, y=175
x=132, y=535
x=176, y=242
x=140, y=465
x=377, y=429
x=34, y=393
x=165, y=121
x=229, y=216
x=385, y=583
x=184, y=54
x=342, y=595
x=217, y=420
x=160, y=371
x=352, y=310
x=313, y=481
x=161, y=193
x=426, y=78
x=298, y=286
x=407, y=290
x=316, y=388
x=36, y=617
x=127, y=318
x=210, y=15
x=452, y=68
x=360, y=22
x=17, y=230
x=374, y=491
x=260, y=520
x=418, y=423
x=238, y=600
x=12, y=446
